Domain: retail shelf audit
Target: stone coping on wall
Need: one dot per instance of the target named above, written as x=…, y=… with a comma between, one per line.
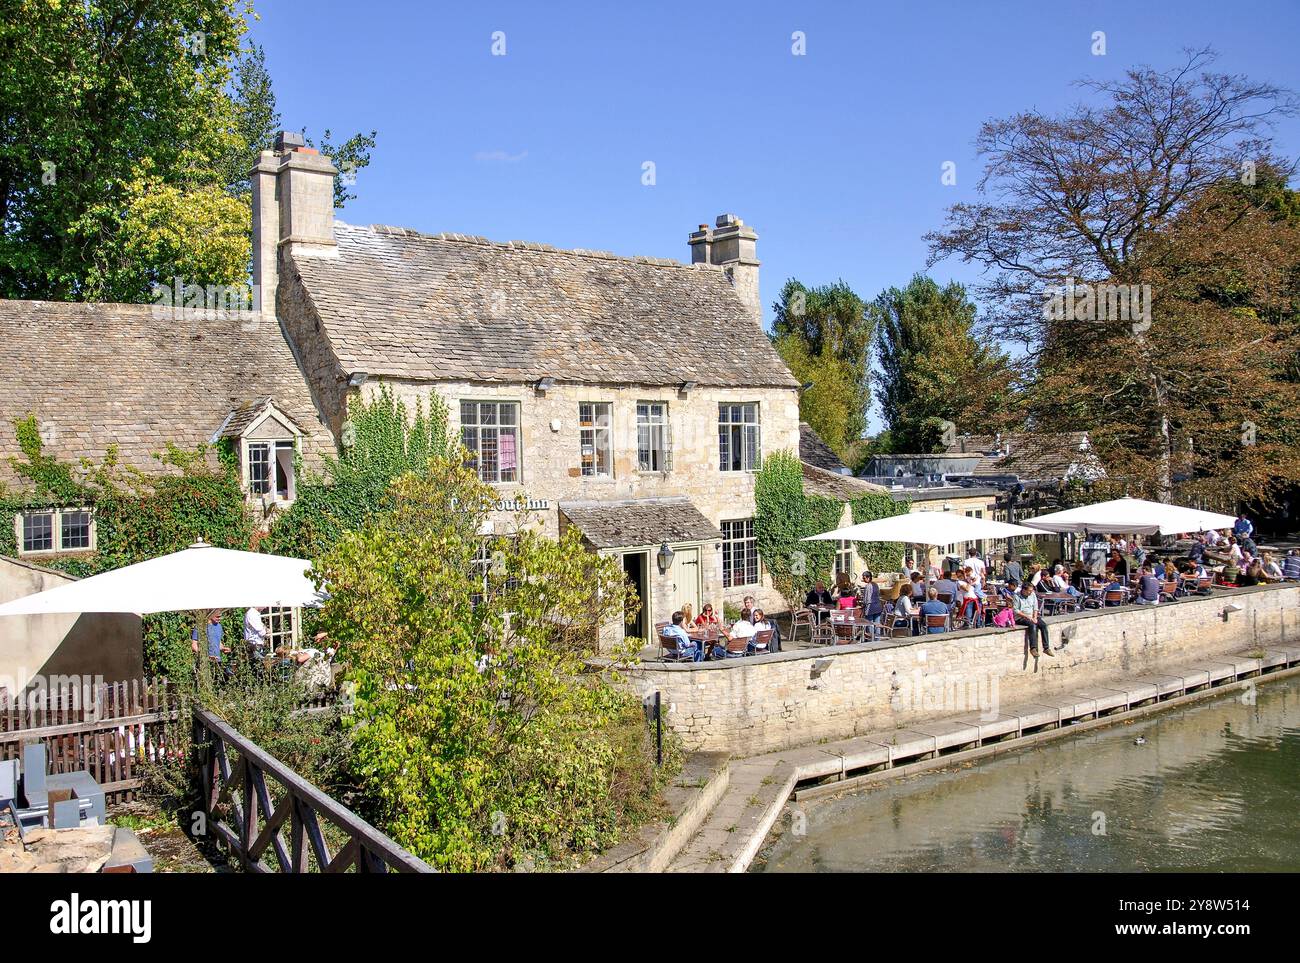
x=821, y=652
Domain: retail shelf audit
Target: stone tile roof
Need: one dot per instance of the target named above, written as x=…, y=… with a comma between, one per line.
x=102, y=374
x=814, y=451
x=642, y=521
x=1031, y=455
x=829, y=484
x=244, y=415
x=398, y=303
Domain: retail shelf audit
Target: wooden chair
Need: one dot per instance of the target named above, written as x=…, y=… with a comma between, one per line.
x=762, y=641
x=1168, y=591
x=937, y=622
x=670, y=650
x=1203, y=585
x=841, y=624
x=1113, y=597
x=737, y=648
x=802, y=617
x=946, y=598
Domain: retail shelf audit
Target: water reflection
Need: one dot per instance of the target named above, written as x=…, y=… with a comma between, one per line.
x=1212, y=787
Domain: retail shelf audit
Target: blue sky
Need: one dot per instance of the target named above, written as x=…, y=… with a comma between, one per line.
x=835, y=157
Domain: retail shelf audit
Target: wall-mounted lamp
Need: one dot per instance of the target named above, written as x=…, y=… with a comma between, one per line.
x=544, y=385
x=357, y=379
x=665, y=557
x=687, y=387
x=1230, y=608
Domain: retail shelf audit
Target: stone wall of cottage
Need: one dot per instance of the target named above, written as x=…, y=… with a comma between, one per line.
x=550, y=466
x=302, y=328
x=768, y=703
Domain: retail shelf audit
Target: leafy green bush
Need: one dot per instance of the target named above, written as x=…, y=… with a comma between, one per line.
x=783, y=516
x=879, y=556
x=482, y=738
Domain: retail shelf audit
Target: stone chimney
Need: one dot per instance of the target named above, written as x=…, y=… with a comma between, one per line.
x=293, y=209
x=731, y=245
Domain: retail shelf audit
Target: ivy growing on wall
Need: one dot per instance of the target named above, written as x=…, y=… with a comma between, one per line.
x=879, y=556
x=381, y=440
x=783, y=516
x=137, y=517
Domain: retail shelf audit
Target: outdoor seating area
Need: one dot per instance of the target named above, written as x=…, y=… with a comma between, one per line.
x=1125, y=553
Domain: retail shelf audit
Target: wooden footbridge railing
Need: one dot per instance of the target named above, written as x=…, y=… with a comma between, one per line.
x=249, y=812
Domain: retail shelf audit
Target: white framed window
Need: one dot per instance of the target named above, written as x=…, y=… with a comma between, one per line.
x=654, y=437
x=739, y=438
x=489, y=561
x=269, y=469
x=490, y=430
x=51, y=531
x=843, y=559
x=594, y=420
x=739, y=553
x=281, y=628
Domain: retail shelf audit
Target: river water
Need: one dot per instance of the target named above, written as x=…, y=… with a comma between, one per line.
x=1214, y=786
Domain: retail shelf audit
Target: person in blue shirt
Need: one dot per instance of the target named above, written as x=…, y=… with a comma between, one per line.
x=685, y=644
x=215, y=637
x=1291, y=565
x=1243, y=527
x=932, y=606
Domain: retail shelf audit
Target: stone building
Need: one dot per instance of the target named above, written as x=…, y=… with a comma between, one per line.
x=631, y=398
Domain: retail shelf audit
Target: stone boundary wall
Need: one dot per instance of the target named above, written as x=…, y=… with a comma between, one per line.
x=794, y=698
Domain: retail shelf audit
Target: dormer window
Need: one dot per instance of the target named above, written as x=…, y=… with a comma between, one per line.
x=266, y=440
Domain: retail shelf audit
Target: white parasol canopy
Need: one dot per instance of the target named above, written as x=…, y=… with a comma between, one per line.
x=1131, y=516
x=926, y=528
x=199, y=577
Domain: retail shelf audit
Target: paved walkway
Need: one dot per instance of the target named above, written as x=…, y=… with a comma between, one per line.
x=733, y=833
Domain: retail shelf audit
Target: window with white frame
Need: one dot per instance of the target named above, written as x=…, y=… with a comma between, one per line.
x=739, y=438
x=594, y=418
x=739, y=553
x=654, y=440
x=490, y=430
x=47, y=531
x=280, y=627
x=269, y=469
x=489, y=563
x=843, y=559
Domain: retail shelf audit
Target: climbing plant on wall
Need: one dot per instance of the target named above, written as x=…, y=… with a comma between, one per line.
x=879, y=556
x=137, y=516
x=783, y=516
x=382, y=439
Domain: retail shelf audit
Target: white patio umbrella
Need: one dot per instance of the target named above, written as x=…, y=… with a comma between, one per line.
x=201, y=577
x=926, y=528
x=1131, y=516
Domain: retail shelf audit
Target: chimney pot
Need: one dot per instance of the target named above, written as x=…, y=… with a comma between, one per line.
x=288, y=140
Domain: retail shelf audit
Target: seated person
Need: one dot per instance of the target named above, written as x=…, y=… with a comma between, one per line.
x=845, y=597
x=932, y=606
x=763, y=624
x=916, y=585
x=743, y=629
x=1079, y=577
x=1291, y=565
x=1148, y=587
x=1253, y=575
x=707, y=616
x=819, y=596
x=904, y=607
x=1009, y=590
x=1272, y=571
x=945, y=586
x=685, y=644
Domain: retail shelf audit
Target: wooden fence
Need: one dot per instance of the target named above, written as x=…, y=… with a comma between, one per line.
x=104, y=728
x=248, y=813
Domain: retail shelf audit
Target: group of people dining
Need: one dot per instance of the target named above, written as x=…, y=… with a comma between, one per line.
x=977, y=591
x=702, y=636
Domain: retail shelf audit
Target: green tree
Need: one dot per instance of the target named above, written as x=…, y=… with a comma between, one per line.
x=482, y=739
x=933, y=369
x=129, y=131
x=831, y=322
x=823, y=405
